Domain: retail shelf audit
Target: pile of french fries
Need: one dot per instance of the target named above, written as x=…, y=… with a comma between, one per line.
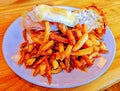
x=51, y=52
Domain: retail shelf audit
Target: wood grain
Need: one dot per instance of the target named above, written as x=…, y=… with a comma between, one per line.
x=9, y=81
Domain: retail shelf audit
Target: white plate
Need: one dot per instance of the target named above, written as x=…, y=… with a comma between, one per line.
x=13, y=38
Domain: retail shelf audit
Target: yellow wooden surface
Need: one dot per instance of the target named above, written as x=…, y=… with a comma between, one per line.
x=8, y=13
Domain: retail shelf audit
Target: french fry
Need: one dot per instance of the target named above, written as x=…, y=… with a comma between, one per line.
x=62, y=28
x=84, y=28
x=72, y=64
x=77, y=62
x=78, y=26
x=50, y=51
x=68, y=51
x=35, y=50
x=67, y=63
x=89, y=43
x=94, y=55
x=80, y=42
x=55, y=64
x=39, y=50
x=35, y=39
x=40, y=60
x=58, y=38
x=77, y=33
x=27, y=56
x=62, y=65
x=71, y=37
x=48, y=45
x=61, y=47
x=22, y=58
x=59, y=56
x=56, y=48
x=47, y=31
x=25, y=34
x=37, y=70
x=95, y=41
x=48, y=71
x=95, y=35
x=30, y=61
x=30, y=47
x=96, y=48
x=103, y=48
x=82, y=52
x=55, y=71
x=88, y=61
x=23, y=45
x=42, y=68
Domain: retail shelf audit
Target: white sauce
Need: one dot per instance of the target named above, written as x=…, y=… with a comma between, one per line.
x=90, y=18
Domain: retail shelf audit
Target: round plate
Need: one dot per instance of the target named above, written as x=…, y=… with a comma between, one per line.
x=13, y=38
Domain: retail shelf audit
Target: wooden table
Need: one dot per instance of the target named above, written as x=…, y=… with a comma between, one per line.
x=11, y=82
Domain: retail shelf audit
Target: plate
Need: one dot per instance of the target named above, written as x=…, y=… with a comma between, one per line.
x=13, y=38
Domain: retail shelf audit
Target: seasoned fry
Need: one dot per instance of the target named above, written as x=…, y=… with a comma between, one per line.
x=80, y=42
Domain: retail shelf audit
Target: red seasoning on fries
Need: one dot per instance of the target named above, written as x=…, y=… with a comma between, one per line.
x=57, y=39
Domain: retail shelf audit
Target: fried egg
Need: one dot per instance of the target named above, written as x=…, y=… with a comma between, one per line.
x=55, y=14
